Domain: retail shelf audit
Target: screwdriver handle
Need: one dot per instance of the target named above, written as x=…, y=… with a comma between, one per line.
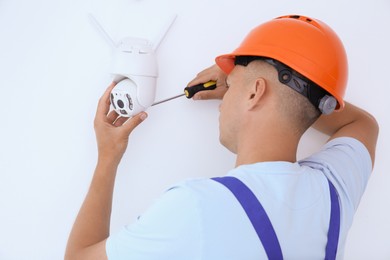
x=191, y=91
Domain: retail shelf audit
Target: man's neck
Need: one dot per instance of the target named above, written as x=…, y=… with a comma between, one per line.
x=266, y=144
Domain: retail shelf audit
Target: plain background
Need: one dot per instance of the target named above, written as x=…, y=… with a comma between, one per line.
x=54, y=66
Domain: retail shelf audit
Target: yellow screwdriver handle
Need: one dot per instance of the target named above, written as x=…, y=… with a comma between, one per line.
x=191, y=91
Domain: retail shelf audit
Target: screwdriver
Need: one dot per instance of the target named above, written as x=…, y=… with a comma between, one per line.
x=189, y=92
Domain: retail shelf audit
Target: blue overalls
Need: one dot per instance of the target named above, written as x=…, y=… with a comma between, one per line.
x=263, y=225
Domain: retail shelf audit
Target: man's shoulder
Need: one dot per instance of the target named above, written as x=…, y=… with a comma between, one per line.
x=198, y=188
x=346, y=162
x=339, y=149
x=346, y=141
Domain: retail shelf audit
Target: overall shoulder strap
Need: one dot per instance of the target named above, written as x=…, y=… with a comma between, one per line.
x=263, y=225
x=334, y=224
x=256, y=215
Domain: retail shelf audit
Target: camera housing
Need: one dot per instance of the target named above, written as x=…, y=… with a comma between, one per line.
x=135, y=71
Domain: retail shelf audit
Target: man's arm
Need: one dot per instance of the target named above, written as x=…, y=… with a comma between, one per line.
x=351, y=122
x=91, y=229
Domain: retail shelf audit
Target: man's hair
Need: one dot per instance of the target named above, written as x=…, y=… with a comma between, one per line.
x=294, y=106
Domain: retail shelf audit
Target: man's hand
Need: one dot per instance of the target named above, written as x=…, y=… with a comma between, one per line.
x=112, y=131
x=213, y=73
x=91, y=229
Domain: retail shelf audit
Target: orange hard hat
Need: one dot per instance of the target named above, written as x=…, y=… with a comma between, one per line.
x=306, y=45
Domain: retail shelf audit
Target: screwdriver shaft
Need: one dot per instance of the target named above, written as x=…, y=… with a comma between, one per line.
x=189, y=92
x=165, y=100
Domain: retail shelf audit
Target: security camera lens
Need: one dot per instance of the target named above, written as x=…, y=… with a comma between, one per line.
x=120, y=103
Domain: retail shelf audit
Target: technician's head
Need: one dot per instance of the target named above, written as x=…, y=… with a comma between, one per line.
x=298, y=63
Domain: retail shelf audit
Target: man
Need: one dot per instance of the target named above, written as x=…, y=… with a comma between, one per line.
x=284, y=75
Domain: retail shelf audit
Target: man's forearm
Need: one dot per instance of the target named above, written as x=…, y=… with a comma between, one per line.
x=93, y=221
x=91, y=229
x=332, y=123
x=351, y=122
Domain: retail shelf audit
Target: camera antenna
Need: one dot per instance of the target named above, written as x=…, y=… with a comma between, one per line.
x=164, y=32
x=101, y=30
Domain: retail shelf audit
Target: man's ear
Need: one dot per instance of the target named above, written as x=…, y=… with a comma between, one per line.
x=256, y=93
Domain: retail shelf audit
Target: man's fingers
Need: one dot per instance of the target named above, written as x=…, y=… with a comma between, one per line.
x=213, y=73
x=133, y=122
x=112, y=116
x=120, y=121
x=202, y=78
x=217, y=93
x=104, y=102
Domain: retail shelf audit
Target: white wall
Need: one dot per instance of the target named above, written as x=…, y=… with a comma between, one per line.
x=54, y=67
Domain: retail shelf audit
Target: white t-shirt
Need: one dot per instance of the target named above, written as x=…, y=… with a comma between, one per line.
x=201, y=219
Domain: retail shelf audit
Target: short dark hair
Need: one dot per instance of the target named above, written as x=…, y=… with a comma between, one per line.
x=289, y=77
x=297, y=107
